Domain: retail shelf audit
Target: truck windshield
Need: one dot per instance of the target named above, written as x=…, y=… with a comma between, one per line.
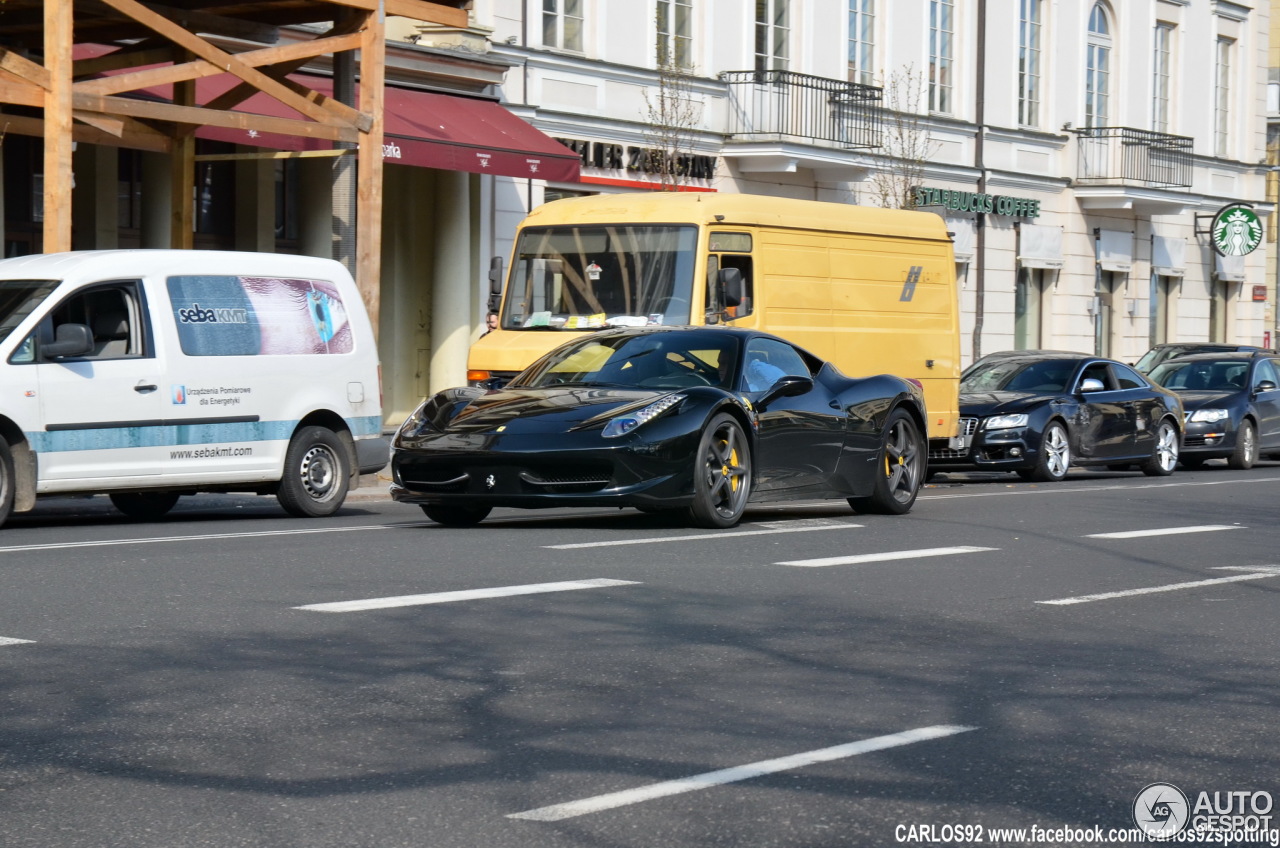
x=589, y=277
x=17, y=300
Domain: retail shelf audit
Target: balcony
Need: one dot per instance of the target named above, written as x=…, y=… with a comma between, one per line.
x=780, y=120
x=1127, y=168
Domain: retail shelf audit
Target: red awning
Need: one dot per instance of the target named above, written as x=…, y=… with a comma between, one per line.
x=420, y=128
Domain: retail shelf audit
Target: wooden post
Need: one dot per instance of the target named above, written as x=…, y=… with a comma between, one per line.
x=57, y=128
x=369, y=165
x=182, y=163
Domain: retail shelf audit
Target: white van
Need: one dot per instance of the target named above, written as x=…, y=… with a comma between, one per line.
x=150, y=374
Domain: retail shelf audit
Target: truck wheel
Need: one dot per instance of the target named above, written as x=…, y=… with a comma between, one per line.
x=456, y=516
x=6, y=482
x=900, y=469
x=144, y=506
x=317, y=473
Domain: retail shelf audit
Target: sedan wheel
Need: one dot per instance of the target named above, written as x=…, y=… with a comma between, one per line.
x=1246, y=452
x=721, y=475
x=1054, y=458
x=900, y=469
x=1165, y=456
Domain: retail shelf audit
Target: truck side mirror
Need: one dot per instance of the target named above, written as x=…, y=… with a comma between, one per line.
x=729, y=281
x=69, y=340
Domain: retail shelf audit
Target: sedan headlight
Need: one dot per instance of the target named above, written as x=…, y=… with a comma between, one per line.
x=624, y=424
x=1209, y=416
x=1004, y=422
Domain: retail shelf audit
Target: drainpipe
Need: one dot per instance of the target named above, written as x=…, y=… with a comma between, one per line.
x=980, y=220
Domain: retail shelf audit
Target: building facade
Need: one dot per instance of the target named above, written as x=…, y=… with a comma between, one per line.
x=1077, y=149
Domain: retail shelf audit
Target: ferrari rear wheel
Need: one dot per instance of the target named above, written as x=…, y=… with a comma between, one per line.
x=456, y=516
x=900, y=468
x=721, y=474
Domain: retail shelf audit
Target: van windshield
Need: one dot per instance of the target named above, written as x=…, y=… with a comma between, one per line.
x=18, y=298
x=589, y=277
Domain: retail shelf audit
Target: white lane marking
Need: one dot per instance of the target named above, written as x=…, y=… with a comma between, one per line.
x=571, y=809
x=464, y=595
x=653, y=540
x=6, y=641
x=1165, y=531
x=1059, y=489
x=1249, y=568
x=884, y=557
x=1172, y=587
x=103, y=543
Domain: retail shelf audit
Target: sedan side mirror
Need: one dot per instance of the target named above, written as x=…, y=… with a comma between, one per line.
x=1265, y=386
x=69, y=340
x=788, y=386
x=1091, y=384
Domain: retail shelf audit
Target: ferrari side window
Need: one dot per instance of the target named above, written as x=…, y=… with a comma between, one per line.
x=767, y=361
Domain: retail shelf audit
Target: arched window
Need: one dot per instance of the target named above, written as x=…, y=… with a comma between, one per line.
x=1098, y=68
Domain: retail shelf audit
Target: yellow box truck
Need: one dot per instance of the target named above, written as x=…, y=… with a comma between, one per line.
x=871, y=290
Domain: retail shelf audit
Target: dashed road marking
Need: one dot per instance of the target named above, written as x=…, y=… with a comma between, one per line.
x=104, y=543
x=722, y=536
x=556, y=812
x=1255, y=573
x=886, y=556
x=464, y=595
x=7, y=641
x=1165, y=531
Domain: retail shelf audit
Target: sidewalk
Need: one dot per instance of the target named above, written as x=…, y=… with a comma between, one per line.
x=372, y=487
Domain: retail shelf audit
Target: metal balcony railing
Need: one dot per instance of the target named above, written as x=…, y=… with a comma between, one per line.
x=1123, y=155
x=781, y=105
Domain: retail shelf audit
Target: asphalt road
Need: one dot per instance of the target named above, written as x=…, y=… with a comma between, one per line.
x=557, y=678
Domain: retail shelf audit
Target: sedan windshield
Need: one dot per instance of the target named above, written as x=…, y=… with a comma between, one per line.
x=1217, y=375
x=1019, y=375
x=17, y=300
x=651, y=361
x=586, y=278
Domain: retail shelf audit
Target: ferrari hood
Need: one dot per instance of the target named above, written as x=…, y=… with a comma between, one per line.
x=549, y=410
x=982, y=404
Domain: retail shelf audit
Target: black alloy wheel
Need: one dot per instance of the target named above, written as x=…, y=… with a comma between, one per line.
x=900, y=468
x=721, y=474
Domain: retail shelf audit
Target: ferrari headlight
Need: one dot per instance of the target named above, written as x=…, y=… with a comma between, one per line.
x=624, y=424
x=1004, y=422
x=1209, y=416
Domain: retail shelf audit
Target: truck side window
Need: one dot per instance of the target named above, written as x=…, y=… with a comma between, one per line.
x=743, y=264
x=112, y=313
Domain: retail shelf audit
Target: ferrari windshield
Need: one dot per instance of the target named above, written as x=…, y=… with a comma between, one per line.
x=671, y=360
x=1019, y=375
x=1198, y=375
x=589, y=277
x=17, y=300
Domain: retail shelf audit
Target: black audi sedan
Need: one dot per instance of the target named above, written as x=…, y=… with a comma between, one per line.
x=1038, y=413
x=700, y=420
x=1232, y=403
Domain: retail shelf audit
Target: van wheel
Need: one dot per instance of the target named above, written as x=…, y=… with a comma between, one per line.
x=6, y=482
x=456, y=516
x=145, y=506
x=317, y=473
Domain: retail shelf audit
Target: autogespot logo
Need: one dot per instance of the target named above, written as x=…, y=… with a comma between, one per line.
x=1161, y=810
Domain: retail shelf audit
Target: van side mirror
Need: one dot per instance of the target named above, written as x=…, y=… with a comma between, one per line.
x=69, y=340
x=495, y=283
x=729, y=281
x=1090, y=384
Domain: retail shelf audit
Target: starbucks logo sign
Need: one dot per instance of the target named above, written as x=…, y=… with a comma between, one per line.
x=1236, y=230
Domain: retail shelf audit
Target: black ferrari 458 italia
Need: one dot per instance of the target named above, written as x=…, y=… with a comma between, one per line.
x=699, y=419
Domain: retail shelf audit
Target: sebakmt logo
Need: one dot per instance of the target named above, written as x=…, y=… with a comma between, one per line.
x=220, y=315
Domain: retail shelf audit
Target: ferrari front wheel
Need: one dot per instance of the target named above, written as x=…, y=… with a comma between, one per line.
x=900, y=468
x=721, y=474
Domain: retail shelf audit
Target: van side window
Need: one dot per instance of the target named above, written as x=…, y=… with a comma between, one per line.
x=113, y=314
x=733, y=250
